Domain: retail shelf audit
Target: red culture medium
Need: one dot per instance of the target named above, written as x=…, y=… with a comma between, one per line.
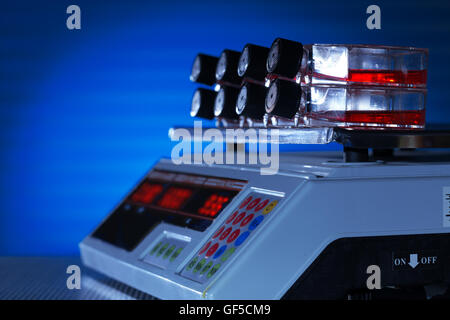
x=403, y=118
x=412, y=77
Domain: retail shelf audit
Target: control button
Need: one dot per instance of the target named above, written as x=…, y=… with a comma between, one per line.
x=270, y=207
x=253, y=204
x=206, y=268
x=218, y=232
x=205, y=247
x=169, y=251
x=192, y=263
x=255, y=222
x=247, y=220
x=212, y=250
x=155, y=248
x=261, y=205
x=225, y=233
x=213, y=270
x=245, y=202
x=140, y=210
x=176, y=254
x=228, y=254
x=241, y=238
x=163, y=248
x=231, y=218
x=199, y=266
x=239, y=218
x=220, y=251
x=233, y=236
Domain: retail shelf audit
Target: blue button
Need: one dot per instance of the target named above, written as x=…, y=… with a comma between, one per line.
x=255, y=222
x=220, y=251
x=241, y=238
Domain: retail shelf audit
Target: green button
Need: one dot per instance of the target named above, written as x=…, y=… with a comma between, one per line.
x=227, y=254
x=176, y=254
x=156, y=248
x=169, y=251
x=213, y=270
x=199, y=266
x=192, y=263
x=207, y=267
x=163, y=248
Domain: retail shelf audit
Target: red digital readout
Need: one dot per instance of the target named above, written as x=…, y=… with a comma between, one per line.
x=174, y=198
x=213, y=205
x=146, y=192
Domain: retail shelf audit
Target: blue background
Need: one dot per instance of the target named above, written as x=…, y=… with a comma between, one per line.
x=85, y=113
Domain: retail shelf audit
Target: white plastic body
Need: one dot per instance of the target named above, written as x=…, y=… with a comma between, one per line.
x=321, y=200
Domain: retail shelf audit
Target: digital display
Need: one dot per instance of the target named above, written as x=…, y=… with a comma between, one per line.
x=213, y=205
x=147, y=192
x=174, y=198
x=185, y=200
x=193, y=195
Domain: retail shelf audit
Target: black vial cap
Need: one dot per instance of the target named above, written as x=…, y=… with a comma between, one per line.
x=225, y=103
x=285, y=58
x=227, y=66
x=252, y=62
x=283, y=98
x=203, y=103
x=251, y=99
x=204, y=69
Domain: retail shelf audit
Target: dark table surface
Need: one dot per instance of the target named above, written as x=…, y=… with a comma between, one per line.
x=44, y=278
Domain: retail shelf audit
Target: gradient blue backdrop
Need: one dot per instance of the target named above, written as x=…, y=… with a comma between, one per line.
x=85, y=113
